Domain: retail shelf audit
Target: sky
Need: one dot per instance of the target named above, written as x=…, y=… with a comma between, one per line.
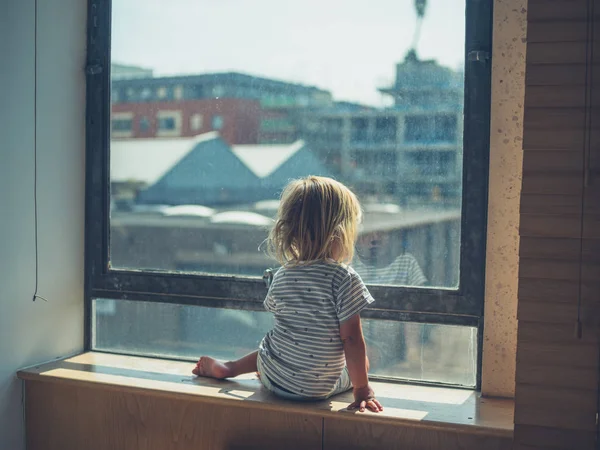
x=348, y=47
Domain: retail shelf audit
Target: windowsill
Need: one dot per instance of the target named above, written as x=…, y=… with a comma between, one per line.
x=431, y=407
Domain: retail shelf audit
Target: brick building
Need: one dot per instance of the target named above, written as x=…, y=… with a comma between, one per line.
x=244, y=109
x=236, y=120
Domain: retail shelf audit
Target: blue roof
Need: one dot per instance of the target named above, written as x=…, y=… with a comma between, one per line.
x=211, y=174
x=301, y=164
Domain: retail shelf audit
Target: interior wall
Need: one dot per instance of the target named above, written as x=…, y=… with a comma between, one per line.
x=506, y=162
x=33, y=332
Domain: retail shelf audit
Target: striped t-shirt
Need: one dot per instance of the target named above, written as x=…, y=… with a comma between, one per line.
x=304, y=353
x=404, y=271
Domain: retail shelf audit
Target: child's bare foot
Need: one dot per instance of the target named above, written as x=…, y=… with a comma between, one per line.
x=209, y=367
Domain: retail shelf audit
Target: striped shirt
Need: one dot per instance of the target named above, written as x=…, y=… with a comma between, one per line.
x=304, y=353
x=404, y=271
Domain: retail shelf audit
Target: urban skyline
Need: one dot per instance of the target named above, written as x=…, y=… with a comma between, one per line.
x=300, y=46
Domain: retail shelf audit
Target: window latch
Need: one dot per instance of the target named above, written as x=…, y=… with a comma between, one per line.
x=268, y=277
x=93, y=69
x=478, y=56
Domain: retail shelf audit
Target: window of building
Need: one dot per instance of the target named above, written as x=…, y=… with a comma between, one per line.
x=196, y=121
x=184, y=261
x=178, y=92
x=431, y=128
x=161, y=92
x=144, y=124
x=385, y=129
x=218, y=91
x=359, y=130
x=169, y=123
x=146, y=94
x=217, y=122
x=121, y=124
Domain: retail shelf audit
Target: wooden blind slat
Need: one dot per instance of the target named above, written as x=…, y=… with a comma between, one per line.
x=557, y=52
x=556, y=10
x=548, y=290
x=556, y=31
x=555, y=97
x=559, y=313
x=554, y=118
x=565, y=249
x=563, y=377
x=567, y=399
x=567, y=226
x=575, y=355
x=554, y=333
x=553, y=182
x=549, y=269
x=555, y=75
x=553, y=140
x=550, y=204
x=554, y=161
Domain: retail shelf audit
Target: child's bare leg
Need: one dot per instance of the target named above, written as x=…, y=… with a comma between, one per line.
x=210, y=367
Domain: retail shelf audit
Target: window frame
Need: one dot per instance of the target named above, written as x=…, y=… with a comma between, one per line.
x=463, y=306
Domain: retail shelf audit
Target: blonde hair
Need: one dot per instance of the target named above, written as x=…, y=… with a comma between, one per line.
x=317, y=216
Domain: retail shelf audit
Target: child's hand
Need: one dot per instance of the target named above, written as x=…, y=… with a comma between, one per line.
x=364, y=397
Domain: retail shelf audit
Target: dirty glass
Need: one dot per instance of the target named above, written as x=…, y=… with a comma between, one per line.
x=411, y=351
x=216, y=105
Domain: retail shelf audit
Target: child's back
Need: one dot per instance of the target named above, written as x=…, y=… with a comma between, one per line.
x=304, y=353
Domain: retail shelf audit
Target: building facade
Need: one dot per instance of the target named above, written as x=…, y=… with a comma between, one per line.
x=409, y=153
x=246, y=109
x=236, y=120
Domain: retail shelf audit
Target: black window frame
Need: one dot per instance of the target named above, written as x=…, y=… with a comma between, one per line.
x=463, y=306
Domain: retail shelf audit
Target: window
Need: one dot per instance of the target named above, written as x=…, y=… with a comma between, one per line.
x=178, y=92
x=121, y=124
x=431, y=129
x=359, y=130
x=217, y=122
x=385, y=129
x=182, y=244
x=196, y=122
x=218, y=91
x=144, y=124
x=146, y=94
x=169, y=123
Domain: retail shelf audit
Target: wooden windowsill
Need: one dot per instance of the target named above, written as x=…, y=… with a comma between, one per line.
x=422, y=406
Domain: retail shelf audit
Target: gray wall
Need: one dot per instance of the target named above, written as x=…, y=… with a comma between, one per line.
x=33, y=332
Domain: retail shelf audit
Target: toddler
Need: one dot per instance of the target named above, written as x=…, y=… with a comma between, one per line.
x=316, y=349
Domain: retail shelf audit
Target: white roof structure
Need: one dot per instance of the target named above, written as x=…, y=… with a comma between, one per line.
x=267, y=205
x=189, y=210
x=242, y=218
x=147, y=160
x=263, y=160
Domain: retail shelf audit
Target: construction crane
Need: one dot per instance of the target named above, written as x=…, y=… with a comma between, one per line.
x=420, y=6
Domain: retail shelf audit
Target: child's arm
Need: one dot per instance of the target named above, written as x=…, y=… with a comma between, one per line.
x=356, y=360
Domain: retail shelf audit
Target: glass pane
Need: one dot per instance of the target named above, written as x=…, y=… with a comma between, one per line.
x=435, y=353
x=215, y=113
